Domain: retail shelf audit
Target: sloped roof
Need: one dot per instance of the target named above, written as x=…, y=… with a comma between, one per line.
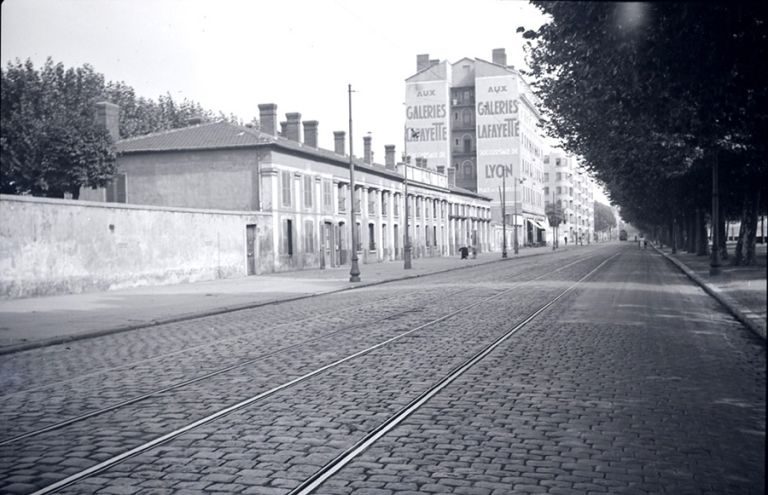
x=203, y=136
x=218, y=135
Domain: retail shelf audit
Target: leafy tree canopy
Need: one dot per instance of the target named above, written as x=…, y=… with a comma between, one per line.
x=50, y=144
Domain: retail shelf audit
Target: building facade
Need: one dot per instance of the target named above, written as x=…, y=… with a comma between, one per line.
x=570, y=187
x=478, y=121
x=303, y=190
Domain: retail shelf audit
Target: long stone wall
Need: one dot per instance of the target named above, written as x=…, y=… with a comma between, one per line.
x=53, y=246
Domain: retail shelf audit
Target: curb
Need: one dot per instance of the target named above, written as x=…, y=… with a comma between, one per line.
x=14, y=348
x=733, y=307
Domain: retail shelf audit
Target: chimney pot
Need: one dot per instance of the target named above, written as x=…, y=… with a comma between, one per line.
x=284, y=129
x=367, y=153
x=268, y=118
x=499, y=56
x=107, y=115
x=310, y=133
x=422, y=61
x=389, y=156
x=339, y=145
x=292, y=128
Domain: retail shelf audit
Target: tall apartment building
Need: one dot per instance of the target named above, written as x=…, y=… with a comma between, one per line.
x=475, y=121
x=573, y=189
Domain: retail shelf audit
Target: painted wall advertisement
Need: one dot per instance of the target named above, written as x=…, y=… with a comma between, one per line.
x=498, y=134
x=426, y=118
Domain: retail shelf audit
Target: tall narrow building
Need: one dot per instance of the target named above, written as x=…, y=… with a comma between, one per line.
x=477, y=120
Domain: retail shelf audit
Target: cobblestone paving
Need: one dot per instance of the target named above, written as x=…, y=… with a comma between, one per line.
x=636, y=384
x=58, y=455
x=27, y=411
x=302, y=428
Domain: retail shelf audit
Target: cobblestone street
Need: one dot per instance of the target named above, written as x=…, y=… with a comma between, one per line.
x=632, y=381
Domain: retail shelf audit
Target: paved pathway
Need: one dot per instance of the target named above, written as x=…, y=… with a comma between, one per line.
x=39, y=320
x=741, y=288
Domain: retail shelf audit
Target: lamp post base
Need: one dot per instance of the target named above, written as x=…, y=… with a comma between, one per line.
x=354, y=271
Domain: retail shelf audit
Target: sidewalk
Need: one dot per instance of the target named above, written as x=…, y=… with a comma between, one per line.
x=35, y=322
x=741, y=289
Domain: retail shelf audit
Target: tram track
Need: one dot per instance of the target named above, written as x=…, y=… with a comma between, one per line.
x=307, y=376
x=339, y=462
x=185, y=350
x=241, y=364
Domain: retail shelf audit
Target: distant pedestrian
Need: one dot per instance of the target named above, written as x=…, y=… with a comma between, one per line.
x=566, y=240
x=464, y=252
x=645, y=243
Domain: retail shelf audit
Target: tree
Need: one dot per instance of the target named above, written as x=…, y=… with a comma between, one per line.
x=650, y=95
x=50, y=142
x=604, y=218
x=555, y=216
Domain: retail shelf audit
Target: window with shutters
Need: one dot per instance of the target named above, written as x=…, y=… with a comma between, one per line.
x=285, y=183
x=309, y=236
x=327, y=196
x=308, y=190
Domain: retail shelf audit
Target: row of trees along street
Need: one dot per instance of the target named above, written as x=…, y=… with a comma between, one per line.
x=655, y=97
x=50, y=144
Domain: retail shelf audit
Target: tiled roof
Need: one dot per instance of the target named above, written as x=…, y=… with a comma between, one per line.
x=204, y=136
x=217, y=135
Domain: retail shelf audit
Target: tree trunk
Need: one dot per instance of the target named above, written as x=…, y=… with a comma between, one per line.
x=701, y=233
x=752, y=227
x=722, y=237
x=690, y=233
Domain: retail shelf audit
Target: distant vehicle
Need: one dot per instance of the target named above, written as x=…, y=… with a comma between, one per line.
x=622, y=235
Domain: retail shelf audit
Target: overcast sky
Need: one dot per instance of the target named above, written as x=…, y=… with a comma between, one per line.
x=300, y=54
x=233, y=55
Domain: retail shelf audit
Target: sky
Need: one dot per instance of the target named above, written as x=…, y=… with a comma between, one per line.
x=231, y=55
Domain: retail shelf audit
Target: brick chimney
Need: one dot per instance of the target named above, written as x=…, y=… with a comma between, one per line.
x=389, y=156
x=107, y=115
x=268, y=118
x=422, y=61
x=499, y=56
x=293, y=127
x=367, y=153
x=283, y=128
x=339, y=145
x=310, y=133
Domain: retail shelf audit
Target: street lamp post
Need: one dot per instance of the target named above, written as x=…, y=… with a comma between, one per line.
x=407, y=241
x=514, y=219
x=354, y=271
x=504, y=214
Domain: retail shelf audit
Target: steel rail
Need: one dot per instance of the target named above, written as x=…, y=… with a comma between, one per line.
x=338, y=463
x=184, y=350
x=54, y=487
x=184, y=383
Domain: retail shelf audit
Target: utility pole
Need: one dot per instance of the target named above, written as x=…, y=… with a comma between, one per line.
x=504, y=214
x=354, y=271
x=514, y=218
x=407, y=242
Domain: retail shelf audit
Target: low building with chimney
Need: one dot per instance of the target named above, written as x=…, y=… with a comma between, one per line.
x=301, y=192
